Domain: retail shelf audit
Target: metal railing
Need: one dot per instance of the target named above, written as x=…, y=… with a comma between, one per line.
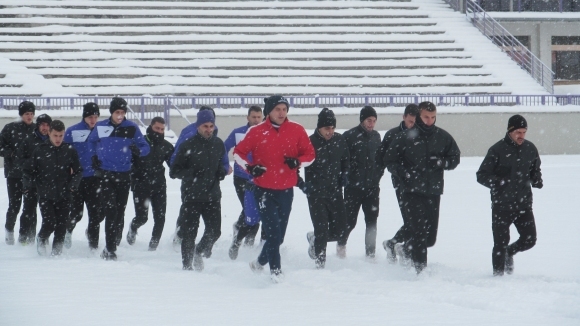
x=511, y=46
x=529, y=5
x=145, y=108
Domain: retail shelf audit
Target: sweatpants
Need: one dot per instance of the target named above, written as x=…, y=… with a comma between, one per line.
x=500, y=224
x=402, y=234
x=89, y=194
x=211, y=213
x=354, y=198
x=28, y=217
x=54, y=219
x=115, y=194
x=274, y=207
x=423, y=219
x=329, y=221
x=142, y=198
x=244, y=230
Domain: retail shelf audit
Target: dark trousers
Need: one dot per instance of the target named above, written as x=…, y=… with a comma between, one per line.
x=274, y=207
x=115, y=194
x=402, y=234
x=354, y=198
x=54, y=219
x=500, y=225
x=157, y=197
x=329, y=221
x=211, y=213
x=28, y=217
x=244, y=230
x=89, y=194
x=423, y=220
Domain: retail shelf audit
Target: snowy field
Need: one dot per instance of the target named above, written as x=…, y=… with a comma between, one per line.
x=149, y=288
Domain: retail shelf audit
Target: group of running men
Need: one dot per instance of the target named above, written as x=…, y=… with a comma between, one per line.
x=96, y=163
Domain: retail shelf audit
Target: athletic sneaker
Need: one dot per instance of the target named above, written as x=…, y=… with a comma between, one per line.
x=256, y=267
x=41, y=245
x=9, y=237
x=197, y=262
x=311, y=252
x=131, y=235
x=153, y=244
x=509, y=263
x=233, y=251
x=176, y=241
x=107, y=255
x=341, y=251
x=404, y=259
x=276, y=276
x=68, y=240
x=389, y=246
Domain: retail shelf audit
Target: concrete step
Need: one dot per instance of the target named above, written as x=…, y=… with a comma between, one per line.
x=10, y=47
x=234, y=33
x=57, y=76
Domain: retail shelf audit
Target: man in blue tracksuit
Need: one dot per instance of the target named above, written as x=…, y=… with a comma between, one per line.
x=89, y=192
x=186, y=134
x=115, y=141
x=241, y=177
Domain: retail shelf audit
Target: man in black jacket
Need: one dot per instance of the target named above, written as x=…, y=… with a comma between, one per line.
x=24, y=154
x=148, y=183
x=323, y=186
x=198, y=165
x=418, y=158
x=409, y=117
x=510, y=169
x=56, y=171
x=363, y=180
x=12, y=135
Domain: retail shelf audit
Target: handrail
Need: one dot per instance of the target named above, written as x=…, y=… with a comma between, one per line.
x=510, y=45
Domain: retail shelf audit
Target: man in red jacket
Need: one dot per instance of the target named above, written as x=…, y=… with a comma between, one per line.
x=279, y=147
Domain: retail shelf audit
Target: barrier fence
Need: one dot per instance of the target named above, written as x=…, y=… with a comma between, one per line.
x=143, y=109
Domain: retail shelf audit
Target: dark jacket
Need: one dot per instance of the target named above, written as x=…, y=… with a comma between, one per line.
x=332, y=161
x=365, y=163
x=198, y=165
x=387, y=140
x=510, y=170
x=28, y=146
x=148, y=171
x=411, y=156
x=55, y=171
x=11, y=137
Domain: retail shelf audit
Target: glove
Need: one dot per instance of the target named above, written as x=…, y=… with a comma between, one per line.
x=8, y=153
x=292, y=162
x=343, y=181
x=96, y=163
x=436, y=163
x=306, y=187
x=99, y=174
x=256, y=170
x=538, y=183
x=221, y=173
x=135, y=152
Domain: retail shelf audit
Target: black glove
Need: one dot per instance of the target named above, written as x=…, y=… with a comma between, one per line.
x=538, y=183
x=436, y=163
x=292, y=162
x=99, y=174
x=306, y=187
x=135, y=151
x=96, y=163
x=343, y=181
x=256, y=170
x=221, y=173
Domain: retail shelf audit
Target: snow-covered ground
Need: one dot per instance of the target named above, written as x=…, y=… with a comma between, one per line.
x=149, y=288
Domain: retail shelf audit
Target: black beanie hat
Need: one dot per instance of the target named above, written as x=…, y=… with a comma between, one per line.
x=207, y=108
x=326, y=118
x=517, y=122
x=366, y=112
x=91, y=108
x=118, y=103
x=272, y=101
x=26, y=106
x=43, y=118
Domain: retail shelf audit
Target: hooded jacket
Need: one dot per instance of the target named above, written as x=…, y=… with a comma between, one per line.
x=198, y=165
x=11, y=138
x=387, y=140
x=148, y=171
x=365, y=164
x=233, y=139
x=56, y=171
x=332, y=161
x=510, y=171
x=27, y=147
x=112, y=144
x=411, y=154
x=78, y=136
x=270, y=146
x=191, y=131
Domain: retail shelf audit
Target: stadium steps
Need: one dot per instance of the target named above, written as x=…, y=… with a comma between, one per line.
x=216, y=47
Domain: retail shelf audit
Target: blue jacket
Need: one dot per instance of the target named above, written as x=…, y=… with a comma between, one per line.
x=191, y=131
x=233, y=139
x=78, y=136
x=112, y=144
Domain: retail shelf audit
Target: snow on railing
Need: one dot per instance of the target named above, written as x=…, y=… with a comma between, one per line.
x=144, y=108
x=511, y=46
